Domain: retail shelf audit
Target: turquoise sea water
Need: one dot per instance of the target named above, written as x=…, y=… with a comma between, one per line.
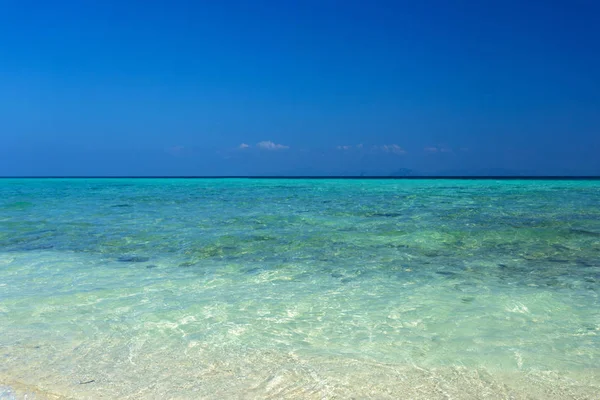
x=275, y=288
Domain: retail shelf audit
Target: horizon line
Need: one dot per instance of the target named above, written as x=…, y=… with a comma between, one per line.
x=357, y=177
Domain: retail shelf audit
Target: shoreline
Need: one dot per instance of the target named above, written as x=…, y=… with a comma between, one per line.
x=322, y=378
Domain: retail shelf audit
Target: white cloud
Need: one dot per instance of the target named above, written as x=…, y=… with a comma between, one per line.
x=268, y=145
x=438, y=149
x=386, y=148
x=393, y=148
x=243, y=146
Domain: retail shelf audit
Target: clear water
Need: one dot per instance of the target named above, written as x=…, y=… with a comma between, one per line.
x=226, y=288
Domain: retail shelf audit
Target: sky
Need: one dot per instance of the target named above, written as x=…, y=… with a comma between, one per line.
x=432, y=87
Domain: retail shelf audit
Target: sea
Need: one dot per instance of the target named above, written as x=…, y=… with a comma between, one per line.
x=299, y=289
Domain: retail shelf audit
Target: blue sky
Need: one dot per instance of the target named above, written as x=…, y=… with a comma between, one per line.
x=309, y=87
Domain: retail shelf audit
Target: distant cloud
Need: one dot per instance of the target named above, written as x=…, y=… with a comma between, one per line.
x=268, y=145
x=386, y=148
x=392, y=148
x=438, y=149
x=243, y=146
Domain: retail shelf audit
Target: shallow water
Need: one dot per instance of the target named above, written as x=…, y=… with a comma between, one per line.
x=238, y=288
